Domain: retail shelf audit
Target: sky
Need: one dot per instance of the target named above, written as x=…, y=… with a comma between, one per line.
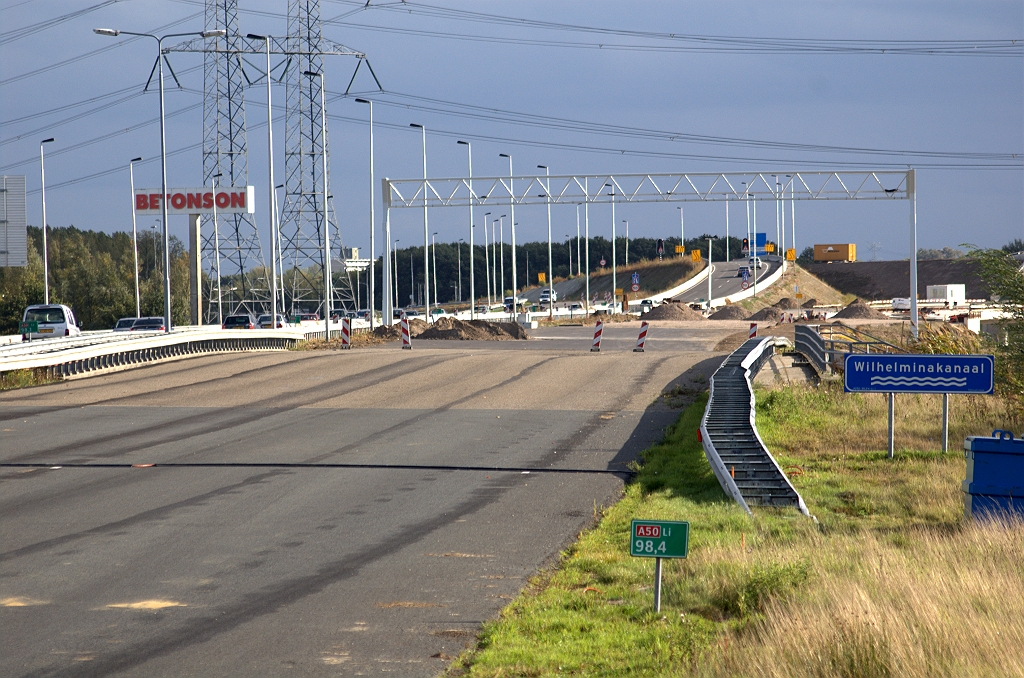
x=487, y=65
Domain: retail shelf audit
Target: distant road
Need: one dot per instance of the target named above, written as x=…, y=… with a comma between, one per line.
x=324, y=512
x=725, y=280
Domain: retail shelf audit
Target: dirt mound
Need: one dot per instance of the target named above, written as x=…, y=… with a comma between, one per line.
x=453, y=328
x=810, y=303
x=787, y=304
x=729, y=313
x=859, y=309
x=672, y=311
x=770, y=314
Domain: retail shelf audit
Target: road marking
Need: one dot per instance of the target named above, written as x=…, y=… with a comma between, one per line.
x=155, y=604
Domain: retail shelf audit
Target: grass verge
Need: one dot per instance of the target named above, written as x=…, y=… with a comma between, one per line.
x=891, y=582
x=16, y=379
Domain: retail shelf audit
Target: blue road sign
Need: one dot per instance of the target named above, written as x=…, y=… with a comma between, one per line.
x=636, y=278
x=917, y=373
x=746, y=274
x=761, y=242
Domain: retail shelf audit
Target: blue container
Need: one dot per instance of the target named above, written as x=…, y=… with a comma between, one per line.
x=995, y=475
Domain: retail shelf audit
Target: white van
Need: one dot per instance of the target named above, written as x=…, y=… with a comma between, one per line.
x=53, y=320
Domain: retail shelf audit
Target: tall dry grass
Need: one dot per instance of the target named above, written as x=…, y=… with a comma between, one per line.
x=928, y=604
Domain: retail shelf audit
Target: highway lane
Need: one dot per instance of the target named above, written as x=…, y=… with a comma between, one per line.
x=210, y=567
x=725, y=280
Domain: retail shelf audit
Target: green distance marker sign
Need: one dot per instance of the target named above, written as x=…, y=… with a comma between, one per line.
x=659, y=539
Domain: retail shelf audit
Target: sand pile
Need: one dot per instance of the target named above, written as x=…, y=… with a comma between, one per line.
x=672, y=311
x=810, y=303
x=787, y=304
x=770, y=314
x=859, y=309
x=453, y=328
x=729, y=313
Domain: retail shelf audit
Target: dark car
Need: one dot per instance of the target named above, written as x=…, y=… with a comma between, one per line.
x=242, y=321
x=150, y=324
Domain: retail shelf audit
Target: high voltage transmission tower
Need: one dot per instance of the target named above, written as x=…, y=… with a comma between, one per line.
x=235, y=251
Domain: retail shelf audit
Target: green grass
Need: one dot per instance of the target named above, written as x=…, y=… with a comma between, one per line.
x=16, y=379
x=891, y=581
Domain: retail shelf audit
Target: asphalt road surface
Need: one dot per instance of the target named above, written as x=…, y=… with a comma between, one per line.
x=725, y=280
x=333, y=513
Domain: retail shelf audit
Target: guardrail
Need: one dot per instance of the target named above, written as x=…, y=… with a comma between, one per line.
x=810, y=344
x=739, y=458
x=83, y=355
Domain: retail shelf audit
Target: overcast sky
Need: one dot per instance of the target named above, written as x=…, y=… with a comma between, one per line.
x=946, y=104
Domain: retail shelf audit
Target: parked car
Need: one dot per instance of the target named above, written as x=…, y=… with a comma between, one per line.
x=53, y=320
x=264, y=322
x=124, y=324
x=149, y=324
x=243, y=321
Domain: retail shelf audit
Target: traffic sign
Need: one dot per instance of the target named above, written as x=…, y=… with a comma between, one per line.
x=680, y=249
x=790, y=254
x=542, y=277
x=917, y=373
x=29, y=327
x=604, y=262
x=635, y=287
x=744, y=284
x=695, y=255
x=636, y=278
x=659, y=539
x=618, y=291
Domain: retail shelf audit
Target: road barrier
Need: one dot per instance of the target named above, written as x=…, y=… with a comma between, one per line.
x=598, y=331
x=346, y=333
x=743, y=465
x=108, y=352
x=753, y=331
x=810, y=344
x=406, y=339
x=642, y=339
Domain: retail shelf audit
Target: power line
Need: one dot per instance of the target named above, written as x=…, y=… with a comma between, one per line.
x=7, y=37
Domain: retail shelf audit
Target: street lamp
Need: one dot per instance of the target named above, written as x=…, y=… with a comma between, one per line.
x=216, y=248
x=135, y=235
x=426, y=233
x=46, y=257
x=487, y=263
x=270, y=188
x=568, y=246
x=579, y=271
x=710, y=238
x=614, y=284
x=626, y=222
x=373, y=257
x=472, y=280
x=110, y=32
x=328, y=281
x=547, y=199
x=387, y=320
x=682, y=231
x=434, y=243
x=461, y=243
x=512, y=220
x=501, y=251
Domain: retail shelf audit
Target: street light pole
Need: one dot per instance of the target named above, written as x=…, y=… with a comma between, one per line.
x=472, y=279
x=135, y=234
x=682, y=231
x=433, y=241
x=388, y=321
x=46, y=253
x=614, y=283
x=579, y=271
x=501, y=235
x=216, y=248
x=373, y=256
x=512, y=220
x=551, y=285
x=709, y=271
x=487, y=263
x=426, y=230
x=586, y=223
x=727, y=229
x=272, y=196
x=461, y=243
x=626, y=221
x=163, y=143
x=328, y=278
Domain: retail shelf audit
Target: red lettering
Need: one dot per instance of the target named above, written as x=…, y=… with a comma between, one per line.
x=207, y=200
x=223, y=200
x=238, y=200
x=195, y=201
x=178, y=201
x=154, y=201
x=141, y=202
x=648, y=531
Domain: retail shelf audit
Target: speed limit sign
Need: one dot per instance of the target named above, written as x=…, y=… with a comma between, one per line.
x=635, y=288
x=744, y=284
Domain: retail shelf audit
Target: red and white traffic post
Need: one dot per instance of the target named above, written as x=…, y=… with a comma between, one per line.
x=753, y=331
x=642, y=339
x=598, y=330
x=346, y=332
x=406, y=340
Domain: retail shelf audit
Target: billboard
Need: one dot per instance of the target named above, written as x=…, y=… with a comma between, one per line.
x=13, y=234
x=230, y=200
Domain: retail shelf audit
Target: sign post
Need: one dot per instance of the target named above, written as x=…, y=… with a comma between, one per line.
x=918, y=373
x=659, y=539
